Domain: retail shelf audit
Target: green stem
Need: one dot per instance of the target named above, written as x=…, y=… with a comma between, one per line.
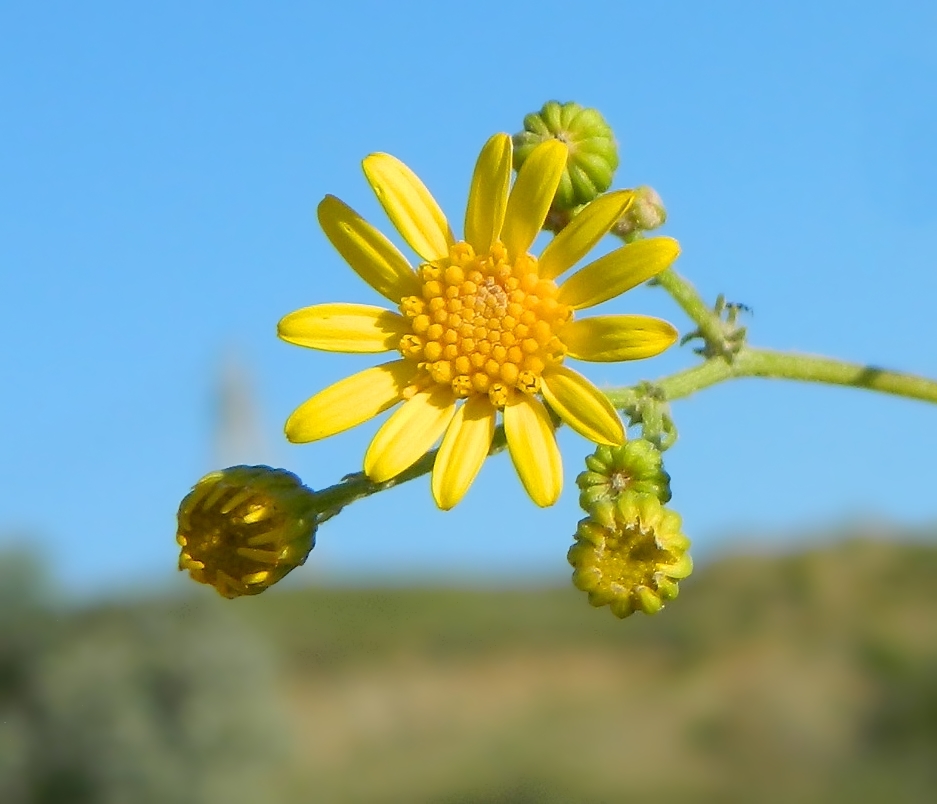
x=728, y=361
x=747, y=362
x=709, y=325
x=330, y=501
x=766, y=363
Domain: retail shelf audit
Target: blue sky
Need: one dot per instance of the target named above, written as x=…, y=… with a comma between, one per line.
x=159, y=173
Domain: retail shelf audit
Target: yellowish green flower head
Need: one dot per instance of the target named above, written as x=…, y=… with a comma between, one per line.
x=482, y=328
x=630, y=554
x=244, y=528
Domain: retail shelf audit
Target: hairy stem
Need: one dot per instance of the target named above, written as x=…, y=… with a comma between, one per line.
x=687, y=296
x=766, y=363
x=329, y=501
x=747, y=362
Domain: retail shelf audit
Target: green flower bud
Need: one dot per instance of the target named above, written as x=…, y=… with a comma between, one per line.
x=244, y=528
x=646, y=213
x=593, y=152
x=632, y=559
x=635, y=466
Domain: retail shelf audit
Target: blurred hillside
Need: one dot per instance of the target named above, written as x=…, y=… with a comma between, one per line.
x=808, y=677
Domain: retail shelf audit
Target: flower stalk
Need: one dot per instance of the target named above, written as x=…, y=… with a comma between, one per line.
x=719, y=366
x=747, y=362
x=770, y=364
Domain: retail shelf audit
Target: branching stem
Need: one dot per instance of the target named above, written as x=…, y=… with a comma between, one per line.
x=745, y=361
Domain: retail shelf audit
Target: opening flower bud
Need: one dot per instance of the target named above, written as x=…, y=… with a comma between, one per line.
x=243, y=528
x=632, y=560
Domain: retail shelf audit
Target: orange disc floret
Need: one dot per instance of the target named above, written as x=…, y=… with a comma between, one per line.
x=484, y=325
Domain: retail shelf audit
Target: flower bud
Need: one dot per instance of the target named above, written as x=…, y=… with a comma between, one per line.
x=243, y=528
x=633, y=560
x=647, y=212
x=593, y=152
x=634, y=466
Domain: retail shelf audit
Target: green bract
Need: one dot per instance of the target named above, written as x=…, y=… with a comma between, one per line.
x=634, y=466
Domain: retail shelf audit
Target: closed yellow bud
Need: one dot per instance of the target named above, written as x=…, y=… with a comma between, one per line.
x=243, y=528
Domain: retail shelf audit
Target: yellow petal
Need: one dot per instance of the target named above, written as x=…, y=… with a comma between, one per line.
x=350, y=401
x=488, y=195
x=583, y=232
x=533, y=448
x=609, y=338
x=463, y=451
x=407, y=435
x=343, y=328
x=582, y=406
x=409, y=205
x=613, y=274
x=372, y=256
x=532, y=195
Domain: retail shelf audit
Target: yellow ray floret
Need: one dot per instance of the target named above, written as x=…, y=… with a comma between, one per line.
x=610, y=338
x=410, y=206
x=582, y=406
x=582, y=233
x=533, y=448
x=344, y=328
x=488, y=195
x=350, y=402
x=618, y=272
x=463, y=450
x=409, y=433
x=481, y=325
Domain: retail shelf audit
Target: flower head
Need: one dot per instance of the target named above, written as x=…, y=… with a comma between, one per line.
x=481, y=327
x=630, y=554
x=243, y=528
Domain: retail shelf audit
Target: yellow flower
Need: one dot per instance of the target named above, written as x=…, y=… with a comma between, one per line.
x=482, y=325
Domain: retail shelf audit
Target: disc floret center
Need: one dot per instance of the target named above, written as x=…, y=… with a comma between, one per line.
x=484, y=324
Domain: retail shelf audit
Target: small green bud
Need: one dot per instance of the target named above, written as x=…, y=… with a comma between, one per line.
x=593, y=152
x=633, y=563
x=634, y=466
x=244, y=528
x=646, y=213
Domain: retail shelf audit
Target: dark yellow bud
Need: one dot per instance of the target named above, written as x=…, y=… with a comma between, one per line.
x=243, y=528
x=630, y=554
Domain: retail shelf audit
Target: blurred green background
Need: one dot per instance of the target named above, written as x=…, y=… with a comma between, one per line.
x=809, y=676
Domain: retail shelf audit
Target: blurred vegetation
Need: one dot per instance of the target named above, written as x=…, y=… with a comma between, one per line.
x=805, y=677
x=147, y=702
